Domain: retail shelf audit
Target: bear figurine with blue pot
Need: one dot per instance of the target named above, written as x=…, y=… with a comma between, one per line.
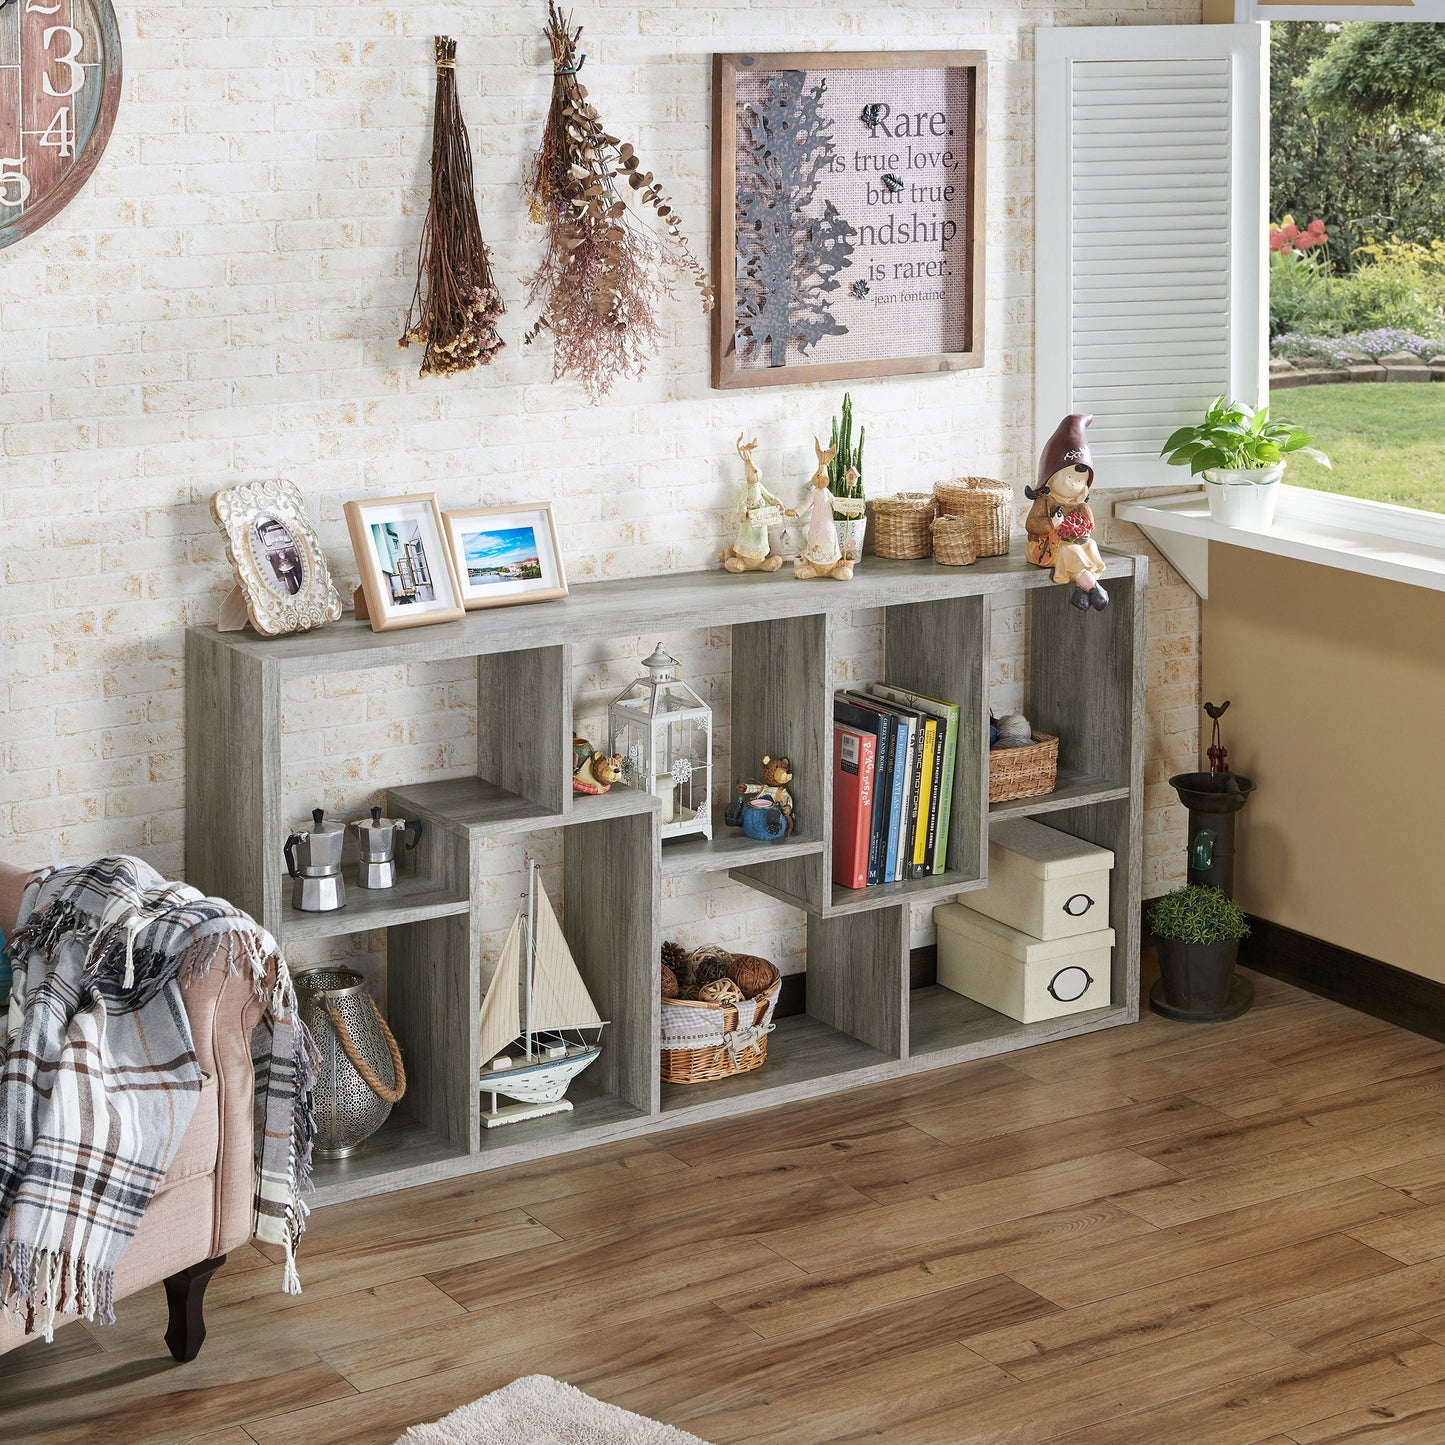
x=764, y=810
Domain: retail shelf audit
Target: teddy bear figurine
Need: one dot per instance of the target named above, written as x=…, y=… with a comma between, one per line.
x=1060, y=525
x=764, y=810
x=593, y=772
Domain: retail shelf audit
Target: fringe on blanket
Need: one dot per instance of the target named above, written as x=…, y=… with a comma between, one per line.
x=38, y=1284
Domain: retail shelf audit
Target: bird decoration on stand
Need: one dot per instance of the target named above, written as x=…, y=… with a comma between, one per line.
x=1218, y=754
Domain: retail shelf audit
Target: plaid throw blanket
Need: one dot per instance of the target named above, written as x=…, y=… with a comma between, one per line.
x=99, y=1079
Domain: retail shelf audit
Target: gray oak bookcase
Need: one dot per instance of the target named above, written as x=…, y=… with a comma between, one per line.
x=863, y=1023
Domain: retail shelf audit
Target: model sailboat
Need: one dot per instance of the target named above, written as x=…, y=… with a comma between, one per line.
x=536, y=999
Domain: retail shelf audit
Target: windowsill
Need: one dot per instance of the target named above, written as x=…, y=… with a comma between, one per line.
x=1372, y=538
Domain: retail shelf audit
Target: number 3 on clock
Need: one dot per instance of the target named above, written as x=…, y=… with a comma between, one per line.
x=71, y=59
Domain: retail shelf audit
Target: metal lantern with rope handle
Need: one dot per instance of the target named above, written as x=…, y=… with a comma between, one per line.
x=358, y=1057
x=663, y=731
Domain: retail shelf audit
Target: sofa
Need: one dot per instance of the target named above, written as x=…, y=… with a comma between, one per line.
x=205, y=1205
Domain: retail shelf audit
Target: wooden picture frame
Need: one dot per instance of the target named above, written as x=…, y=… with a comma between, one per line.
x=282, y=581
x=408, y=574
x=493, y=548
x=838, y=154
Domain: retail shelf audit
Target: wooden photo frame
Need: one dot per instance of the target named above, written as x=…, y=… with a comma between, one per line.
x=408, y=575
x=848, y=214
x=282, y=581
x=506, y=555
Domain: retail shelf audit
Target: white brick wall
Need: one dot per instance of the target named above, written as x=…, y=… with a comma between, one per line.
x=223, y=302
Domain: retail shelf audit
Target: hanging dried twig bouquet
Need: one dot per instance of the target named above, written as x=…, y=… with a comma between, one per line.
x=457, y=320
x=602, y=272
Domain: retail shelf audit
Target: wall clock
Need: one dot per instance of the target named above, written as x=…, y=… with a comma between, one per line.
x=59, y=91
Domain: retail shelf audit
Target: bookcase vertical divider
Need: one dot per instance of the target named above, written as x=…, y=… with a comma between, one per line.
x=524, y=723
x=782, y=703
x=858, y=976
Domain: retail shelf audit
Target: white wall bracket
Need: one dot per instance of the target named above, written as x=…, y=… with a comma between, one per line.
x=1186, y=553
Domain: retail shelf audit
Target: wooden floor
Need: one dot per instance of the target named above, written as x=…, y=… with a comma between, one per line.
x=1160, y=1233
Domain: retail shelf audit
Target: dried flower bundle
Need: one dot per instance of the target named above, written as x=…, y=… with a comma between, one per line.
x=603, y=271
x=456, y=306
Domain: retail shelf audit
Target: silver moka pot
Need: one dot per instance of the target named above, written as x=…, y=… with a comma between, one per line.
x=313, y=859
x=377, y=868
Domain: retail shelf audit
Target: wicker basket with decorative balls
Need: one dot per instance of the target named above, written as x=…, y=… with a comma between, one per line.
x=752, y=975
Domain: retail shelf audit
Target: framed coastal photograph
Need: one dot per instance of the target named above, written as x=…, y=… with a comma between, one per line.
x=848, y=215
x=506, y=555
x=408, y=577
x=282, y=580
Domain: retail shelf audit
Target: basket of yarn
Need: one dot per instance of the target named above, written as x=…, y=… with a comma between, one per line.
x=716, y=1023
x=1022, y=763
x=988, y=506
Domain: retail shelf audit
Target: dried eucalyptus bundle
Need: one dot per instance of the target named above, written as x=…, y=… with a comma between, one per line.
x=598, y=283
x=456, y=306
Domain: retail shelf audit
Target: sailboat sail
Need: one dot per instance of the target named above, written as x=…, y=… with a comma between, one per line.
x=559, y=997
x=501, y=1017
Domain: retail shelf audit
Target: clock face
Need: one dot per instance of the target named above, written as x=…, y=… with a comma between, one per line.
x=59, y=90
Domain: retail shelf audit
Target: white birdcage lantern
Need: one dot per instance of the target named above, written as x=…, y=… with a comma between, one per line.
x=663, y=731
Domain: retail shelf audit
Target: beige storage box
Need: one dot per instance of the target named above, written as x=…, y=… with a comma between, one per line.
x=1043, y=882
x=1023, y=977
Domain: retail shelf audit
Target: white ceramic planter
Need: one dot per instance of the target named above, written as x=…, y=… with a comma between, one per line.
x=1244, y=498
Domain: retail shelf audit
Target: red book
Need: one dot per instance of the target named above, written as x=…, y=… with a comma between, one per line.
x=854, y=766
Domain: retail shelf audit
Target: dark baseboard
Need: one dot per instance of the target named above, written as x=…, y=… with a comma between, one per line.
x=1358, y=982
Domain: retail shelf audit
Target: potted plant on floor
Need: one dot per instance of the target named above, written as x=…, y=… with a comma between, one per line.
x=1241, y=455
x=1198, y=931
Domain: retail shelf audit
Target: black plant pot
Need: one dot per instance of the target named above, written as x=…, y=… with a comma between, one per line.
x=1198, y=983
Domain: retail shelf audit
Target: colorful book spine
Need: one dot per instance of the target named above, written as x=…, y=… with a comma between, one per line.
x=903, y=785
x=949, y=713
x=854, y=764
x=919, y=866
x=867, y=717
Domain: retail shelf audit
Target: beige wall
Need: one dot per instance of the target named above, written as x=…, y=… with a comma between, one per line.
x=1338, y=684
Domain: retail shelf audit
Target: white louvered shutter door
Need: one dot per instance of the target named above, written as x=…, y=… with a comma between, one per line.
x=1150, y=257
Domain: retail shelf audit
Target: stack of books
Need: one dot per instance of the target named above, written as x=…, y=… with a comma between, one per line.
x=893, y=765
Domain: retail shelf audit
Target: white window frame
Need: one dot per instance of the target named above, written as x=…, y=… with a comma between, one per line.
x=1249, y=260
x=1352, y=534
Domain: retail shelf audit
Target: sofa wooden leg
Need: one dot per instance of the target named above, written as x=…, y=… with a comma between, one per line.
x=186, y=1293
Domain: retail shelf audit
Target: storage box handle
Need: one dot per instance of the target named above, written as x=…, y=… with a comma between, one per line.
x=1078, y=905
x=1069, y=977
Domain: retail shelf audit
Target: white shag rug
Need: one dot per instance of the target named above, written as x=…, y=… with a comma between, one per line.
x=538, y=1410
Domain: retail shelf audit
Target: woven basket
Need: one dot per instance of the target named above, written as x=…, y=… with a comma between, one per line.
x=901, y=523
x=706, y=1041
x=953, y=541
x=1023, y=772
x=987, y=504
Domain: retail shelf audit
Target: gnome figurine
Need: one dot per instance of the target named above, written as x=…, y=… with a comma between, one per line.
x=1060, y=525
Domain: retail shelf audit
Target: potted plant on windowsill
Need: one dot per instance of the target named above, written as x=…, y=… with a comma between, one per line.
x=1240, y=454
x=1198, y=930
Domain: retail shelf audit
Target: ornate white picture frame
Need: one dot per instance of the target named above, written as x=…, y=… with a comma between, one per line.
x=282, y=579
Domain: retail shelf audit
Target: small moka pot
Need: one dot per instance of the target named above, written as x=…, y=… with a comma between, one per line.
x=377, y=868
x=313, y=859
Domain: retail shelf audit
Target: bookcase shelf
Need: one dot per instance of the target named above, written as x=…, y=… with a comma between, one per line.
x=861, y=1023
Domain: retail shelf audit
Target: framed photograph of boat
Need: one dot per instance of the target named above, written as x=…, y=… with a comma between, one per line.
x=536, y=1016
x=506, y=555
x=408, y=575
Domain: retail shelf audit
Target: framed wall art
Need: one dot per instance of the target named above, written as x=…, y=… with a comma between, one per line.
x=282, y=581
x=848, y=214
x=506, y=555
x=408, y=576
